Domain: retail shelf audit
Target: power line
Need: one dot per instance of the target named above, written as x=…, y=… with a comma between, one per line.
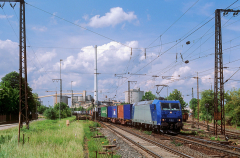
x=78, y=25
x=173, y=23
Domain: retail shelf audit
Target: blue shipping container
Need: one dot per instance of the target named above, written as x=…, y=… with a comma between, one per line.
x=114, y=112
x=127, y=108
x=109, y=109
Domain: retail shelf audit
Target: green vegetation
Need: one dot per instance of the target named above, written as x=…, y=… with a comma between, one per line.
x=175, y=143
x=193, y=105
x=177, y=95
x=47, y=138
x=53, y=113
x=148, y=96
x=189, y=132
x=41, y=109
x=9, y=95
x=212, y=138
x=95, y=144
x=148, y=132
x=233, y=106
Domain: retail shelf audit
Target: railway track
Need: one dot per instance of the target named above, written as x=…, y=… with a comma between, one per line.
x=153, y=148
x=230, y=134
x=209, y=142
x=227, y=150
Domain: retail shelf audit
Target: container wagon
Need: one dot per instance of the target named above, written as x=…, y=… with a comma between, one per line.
x=120, y=114
x=104, y=113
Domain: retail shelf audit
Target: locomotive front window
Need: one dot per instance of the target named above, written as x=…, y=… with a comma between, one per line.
x=165, y=106
x=175, y=106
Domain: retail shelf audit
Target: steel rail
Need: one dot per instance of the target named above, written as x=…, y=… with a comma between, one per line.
x=157, y=144
x=211, y=142
x=221, y=150
x=228, y=132
x=132, y=141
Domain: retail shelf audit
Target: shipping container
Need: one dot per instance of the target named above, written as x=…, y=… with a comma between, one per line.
x=127, y=111
x=120, y=111
x=114, y=112
x=109, y=111
x=104, y=111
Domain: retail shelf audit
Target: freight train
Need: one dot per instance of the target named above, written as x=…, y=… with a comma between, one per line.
x=158, y=115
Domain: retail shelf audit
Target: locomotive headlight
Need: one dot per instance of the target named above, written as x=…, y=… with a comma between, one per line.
x=179, y=120
x=163, y=119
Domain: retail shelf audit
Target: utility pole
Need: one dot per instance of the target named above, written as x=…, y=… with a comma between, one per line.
x=95, y=81
x=193, y=110
x=129, y=90
x=72, y=96
x=23, y=95
x=72, y=92
x=60, y=90
x=197, y=96
x=218, y=77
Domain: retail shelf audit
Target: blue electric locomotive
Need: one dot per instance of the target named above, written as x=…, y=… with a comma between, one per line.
x=160, y=115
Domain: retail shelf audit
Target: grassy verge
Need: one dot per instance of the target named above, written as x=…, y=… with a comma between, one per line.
x=95, y=144
x=47, y=138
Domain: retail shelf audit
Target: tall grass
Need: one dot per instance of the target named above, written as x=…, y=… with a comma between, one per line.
x=96, y=144
x=47, y=138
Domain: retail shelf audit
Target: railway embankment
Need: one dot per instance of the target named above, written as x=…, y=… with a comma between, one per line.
x=46, y=138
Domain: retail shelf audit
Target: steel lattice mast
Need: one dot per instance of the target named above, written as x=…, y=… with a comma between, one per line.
x=219, y=114
x=23, y=94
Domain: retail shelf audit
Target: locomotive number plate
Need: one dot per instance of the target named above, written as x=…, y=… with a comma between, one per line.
x=171, y=120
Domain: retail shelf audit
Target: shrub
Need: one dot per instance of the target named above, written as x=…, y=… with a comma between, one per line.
x=50, y=114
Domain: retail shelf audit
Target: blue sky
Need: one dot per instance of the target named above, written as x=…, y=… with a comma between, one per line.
x=55, y=30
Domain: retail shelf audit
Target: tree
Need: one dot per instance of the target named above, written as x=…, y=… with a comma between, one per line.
x=207, y=97
x=65, y=111
x=232, y=106
x=177, y=95
x=148, y=96
x=193, y=105
x=41, y=109
x=50, y=113
x=9, y=96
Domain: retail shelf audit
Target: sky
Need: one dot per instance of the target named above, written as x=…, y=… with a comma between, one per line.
x=69, y=30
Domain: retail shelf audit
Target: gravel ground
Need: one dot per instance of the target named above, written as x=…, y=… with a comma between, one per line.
x=193, y=151
x=123, y=149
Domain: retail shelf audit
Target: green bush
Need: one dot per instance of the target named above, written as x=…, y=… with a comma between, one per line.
x=53, y=113
x=212, y=138
x=50, y=114
x=41, y=109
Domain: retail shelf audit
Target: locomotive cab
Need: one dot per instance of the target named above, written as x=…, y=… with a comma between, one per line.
x=169, y=115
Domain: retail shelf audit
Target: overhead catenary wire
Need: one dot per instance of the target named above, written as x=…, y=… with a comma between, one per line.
x=80, y=26
x=32, y=51
x=173, y=24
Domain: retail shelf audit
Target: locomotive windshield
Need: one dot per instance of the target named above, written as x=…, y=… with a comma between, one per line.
x=165, y=106
x=175, y=106
x=170, y=106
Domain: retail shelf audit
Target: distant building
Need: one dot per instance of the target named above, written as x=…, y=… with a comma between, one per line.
x=64, y=99
x=84, y=100
x=135, y=95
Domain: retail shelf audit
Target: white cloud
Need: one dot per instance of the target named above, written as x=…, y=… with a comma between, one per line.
x=47, y=56
x=85, y=17
x=148, y=17
x=53, y=20
x=41, y=29
x=207, y=79
x=5, y=16
x=112, y=18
